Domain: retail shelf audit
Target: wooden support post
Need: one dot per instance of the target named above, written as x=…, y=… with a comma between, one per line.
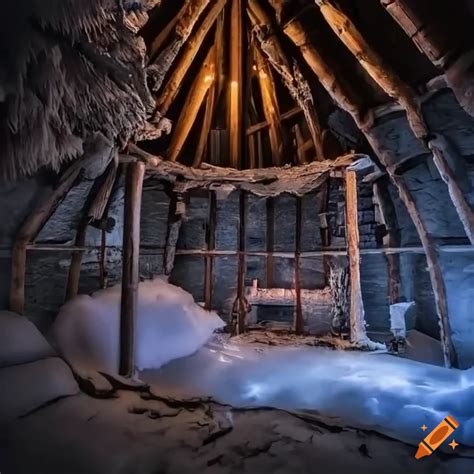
x=130, y=268
x=30, y=229
x=389, y=218
x=192, y=105
x=357, y=316
x=436, y=275
x=270, y=203
x=176, y=211
x=240, y=307
x=299, y=321
x=236, y=85
x=211, y=245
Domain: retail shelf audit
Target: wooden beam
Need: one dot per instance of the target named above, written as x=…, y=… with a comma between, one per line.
x=160, y=39
x=288, y=70
x=236, y=85
x=357, y=314
x=271, y=108
x=31, y=228
x=373, y=64
x=190, y=49
x=211, y=245
x=214, y=92
x=187, y=17
x=300, y=151
x=270, y=207
x=130, y=266
x=192, y=105
x=257, y=127
x=299, y=321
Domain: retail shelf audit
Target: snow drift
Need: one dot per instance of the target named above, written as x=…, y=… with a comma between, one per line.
x=169, y=325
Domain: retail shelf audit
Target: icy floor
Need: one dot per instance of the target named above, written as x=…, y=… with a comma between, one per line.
x=391, y=395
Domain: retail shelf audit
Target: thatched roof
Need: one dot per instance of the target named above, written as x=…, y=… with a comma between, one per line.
x=308, y=75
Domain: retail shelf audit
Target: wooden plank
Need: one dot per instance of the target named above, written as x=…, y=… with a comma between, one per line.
x=31, y=228
x=294, y=112
x=172, y=235
x=130, y=266
x=357, y=314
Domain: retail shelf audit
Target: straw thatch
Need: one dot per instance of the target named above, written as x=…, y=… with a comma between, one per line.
x=68, y=69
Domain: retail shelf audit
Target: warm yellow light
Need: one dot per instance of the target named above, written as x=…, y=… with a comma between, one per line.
x=254, y=67
x=234, y=84
x=263, y=74
x=208, y=78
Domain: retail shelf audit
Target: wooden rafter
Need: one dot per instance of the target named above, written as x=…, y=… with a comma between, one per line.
x=235, y=110
x=271, y=108
x=294, y=112
x=214, y=91
x=373, y=64
x=186, y=19
x=192, y=105
x=190, y=49
x=288, y=70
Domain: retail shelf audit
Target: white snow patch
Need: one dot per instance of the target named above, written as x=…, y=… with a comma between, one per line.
x=20, y=341
x=391, y=395
x=169, y=325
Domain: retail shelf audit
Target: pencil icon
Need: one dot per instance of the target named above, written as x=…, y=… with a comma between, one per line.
x=437, y=437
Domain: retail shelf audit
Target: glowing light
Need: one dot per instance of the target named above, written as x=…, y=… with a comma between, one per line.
x=208, y=78
x=234, y=84
x=263, y=74
x=254, y=67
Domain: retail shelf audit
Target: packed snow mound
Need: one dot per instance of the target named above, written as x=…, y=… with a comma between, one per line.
x=169, y=325
x=27, y=387
x=20, y=341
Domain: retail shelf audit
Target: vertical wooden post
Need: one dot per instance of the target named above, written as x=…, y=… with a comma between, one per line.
x=357, y=319
x=270, y=240
x=172, y=235
x=211, y=244
x=236, y=84
x=240, y=304
x=31, y=228
x=130, y=268
x=299, y=322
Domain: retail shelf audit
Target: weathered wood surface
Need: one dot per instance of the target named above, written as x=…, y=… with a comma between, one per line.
x=175, y=215
x=30, y=229
x=288, y=70
x=357, y=315
x=130, y=271
x=262, y=182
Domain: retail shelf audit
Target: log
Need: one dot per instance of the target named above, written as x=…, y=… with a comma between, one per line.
x=175, y=220
x=236, y=73
x=271, y=108
x=440, y=148
x=31, y=228
x=192, y=105
x=214, y=92
x=374, y=65
x=190, y=49
x=187, y=17
x=357, y=315
x=288, y=70
x=299, y=145
x=294, y=112
x=211, y=245
x=341, y=92
x=130, y=269
x=270, y=207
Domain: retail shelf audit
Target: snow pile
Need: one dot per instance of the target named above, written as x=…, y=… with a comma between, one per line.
x=30, y=375
x=169, y=325
x=20, y=341
x=390, y=395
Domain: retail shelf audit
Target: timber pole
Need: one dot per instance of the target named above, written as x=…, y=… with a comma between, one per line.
x=357, y=316
x=130, y=270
